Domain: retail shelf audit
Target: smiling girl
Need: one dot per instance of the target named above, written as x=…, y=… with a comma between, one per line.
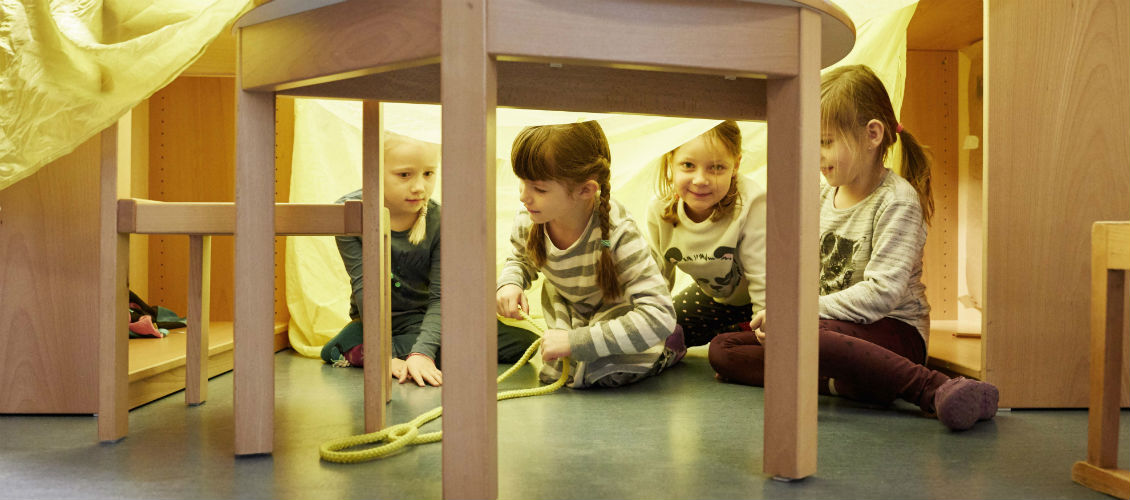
x=709, y=222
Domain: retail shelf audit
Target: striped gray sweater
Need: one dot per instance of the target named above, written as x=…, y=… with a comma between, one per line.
x=871, y=256
x=571, y=299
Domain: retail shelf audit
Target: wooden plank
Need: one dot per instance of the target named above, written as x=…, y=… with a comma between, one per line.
x=113, y=259
x=930, y=113
x=198, y=319
x=339, y=41
x=1038, y=210
x=470, y=361
x=1117, y=244
x=218, y=218
x=254, y=384
x=1108, y=294
x=218, y=59
x=945, y=25
x=954, y=350
x=192, y=159
x=792, y=225
x=375, y=263
x=1114, y=482
x=571, y=88
x=711, y=37
x=49, y=225
x=157, y=366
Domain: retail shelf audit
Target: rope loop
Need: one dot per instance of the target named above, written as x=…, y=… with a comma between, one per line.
x=399, y=436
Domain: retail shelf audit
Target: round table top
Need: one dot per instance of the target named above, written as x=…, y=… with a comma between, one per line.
x=837, y=29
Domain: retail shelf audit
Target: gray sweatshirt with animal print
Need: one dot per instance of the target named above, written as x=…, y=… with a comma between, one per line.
x=871, y=256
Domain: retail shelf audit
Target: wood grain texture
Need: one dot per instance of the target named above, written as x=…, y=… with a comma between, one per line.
x=711, y=37
x=254, y=384
x=470, y=362
x=157, y=366
x=792, y=264
x=1108, y=325
x=571, y=88
x=339, y=41
x=1113, y=482
x=192, y=159
x=198, y=319
x=930, y=113
x=946, y=25
x=49, y=280
x=218, y=218
x=375, y=261
x=1058, y=108
x=113, y=269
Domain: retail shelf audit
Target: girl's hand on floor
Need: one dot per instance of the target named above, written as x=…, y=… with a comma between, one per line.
x=398, y=367
x=421, y=369
x=555, y=344
x=510, y=299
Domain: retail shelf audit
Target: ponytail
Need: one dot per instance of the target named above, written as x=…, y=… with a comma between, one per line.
x=420, y=227
x=916, y=170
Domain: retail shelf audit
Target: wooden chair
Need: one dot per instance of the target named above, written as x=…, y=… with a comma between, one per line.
x=751, y=60
x=199, y=221
x=1110, y=260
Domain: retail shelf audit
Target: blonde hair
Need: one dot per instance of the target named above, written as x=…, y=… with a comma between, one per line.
x=571, y=154
x=728, y=136
x=419, y=228
x=852, y=96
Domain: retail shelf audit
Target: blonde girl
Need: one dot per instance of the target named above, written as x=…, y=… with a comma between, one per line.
x=709, y=222
x=410, y=168
x=604, y=301
x=874, y=317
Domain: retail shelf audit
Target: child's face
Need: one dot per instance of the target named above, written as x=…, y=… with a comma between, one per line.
x=841, y=161
x=410, y=177
x=701, y=173
x=548, y=200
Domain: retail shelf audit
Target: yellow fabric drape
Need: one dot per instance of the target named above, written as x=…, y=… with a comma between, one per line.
x=327, y=164
x=70, y=68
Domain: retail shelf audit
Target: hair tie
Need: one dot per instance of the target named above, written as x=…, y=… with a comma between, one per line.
x=606, y=243
x=898, y=129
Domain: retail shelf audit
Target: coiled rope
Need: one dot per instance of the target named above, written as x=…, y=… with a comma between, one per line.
x=399, y=436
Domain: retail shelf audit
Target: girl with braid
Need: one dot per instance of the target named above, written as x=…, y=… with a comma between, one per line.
x=606, y=306
x=709, y=222
x=874, y=317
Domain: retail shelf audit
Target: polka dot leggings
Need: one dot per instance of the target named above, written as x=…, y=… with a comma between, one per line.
x=875, y=363
x=702, y=318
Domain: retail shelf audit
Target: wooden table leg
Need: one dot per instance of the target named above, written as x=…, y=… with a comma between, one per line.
x=253, y=373
x=792, y=266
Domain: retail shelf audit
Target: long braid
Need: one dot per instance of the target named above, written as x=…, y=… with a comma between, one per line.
x=607, y=276
x=535, y=244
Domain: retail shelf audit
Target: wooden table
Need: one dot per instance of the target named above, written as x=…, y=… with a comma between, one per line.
x=709, y=59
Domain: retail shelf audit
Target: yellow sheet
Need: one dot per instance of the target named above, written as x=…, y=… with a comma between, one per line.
x=70, y=68
x=327, y=164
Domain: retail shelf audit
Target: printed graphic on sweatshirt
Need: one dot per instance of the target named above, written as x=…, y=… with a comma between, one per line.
x=720, y=286
x=836, y=263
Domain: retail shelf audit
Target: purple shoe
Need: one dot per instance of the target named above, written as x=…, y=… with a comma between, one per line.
x=961, y=402
x=677, y=345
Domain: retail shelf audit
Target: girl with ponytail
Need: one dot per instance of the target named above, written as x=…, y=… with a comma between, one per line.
x=606, y=306
x=410, y=171
x=874, y=317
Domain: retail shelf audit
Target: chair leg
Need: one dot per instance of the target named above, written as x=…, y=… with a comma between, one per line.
x=113, y=316
x=196, y=355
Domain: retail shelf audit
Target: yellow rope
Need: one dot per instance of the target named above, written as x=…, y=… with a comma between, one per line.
x=400, y=435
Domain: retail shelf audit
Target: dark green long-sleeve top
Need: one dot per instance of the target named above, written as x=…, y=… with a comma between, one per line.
x=415, y=277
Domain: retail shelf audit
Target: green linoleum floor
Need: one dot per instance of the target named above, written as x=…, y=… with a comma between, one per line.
x=679, y=435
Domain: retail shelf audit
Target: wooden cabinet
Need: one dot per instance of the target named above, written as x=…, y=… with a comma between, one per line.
x=179, y=147
x=1016, y=201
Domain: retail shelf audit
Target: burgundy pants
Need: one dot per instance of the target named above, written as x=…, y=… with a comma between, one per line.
x=875, y=363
